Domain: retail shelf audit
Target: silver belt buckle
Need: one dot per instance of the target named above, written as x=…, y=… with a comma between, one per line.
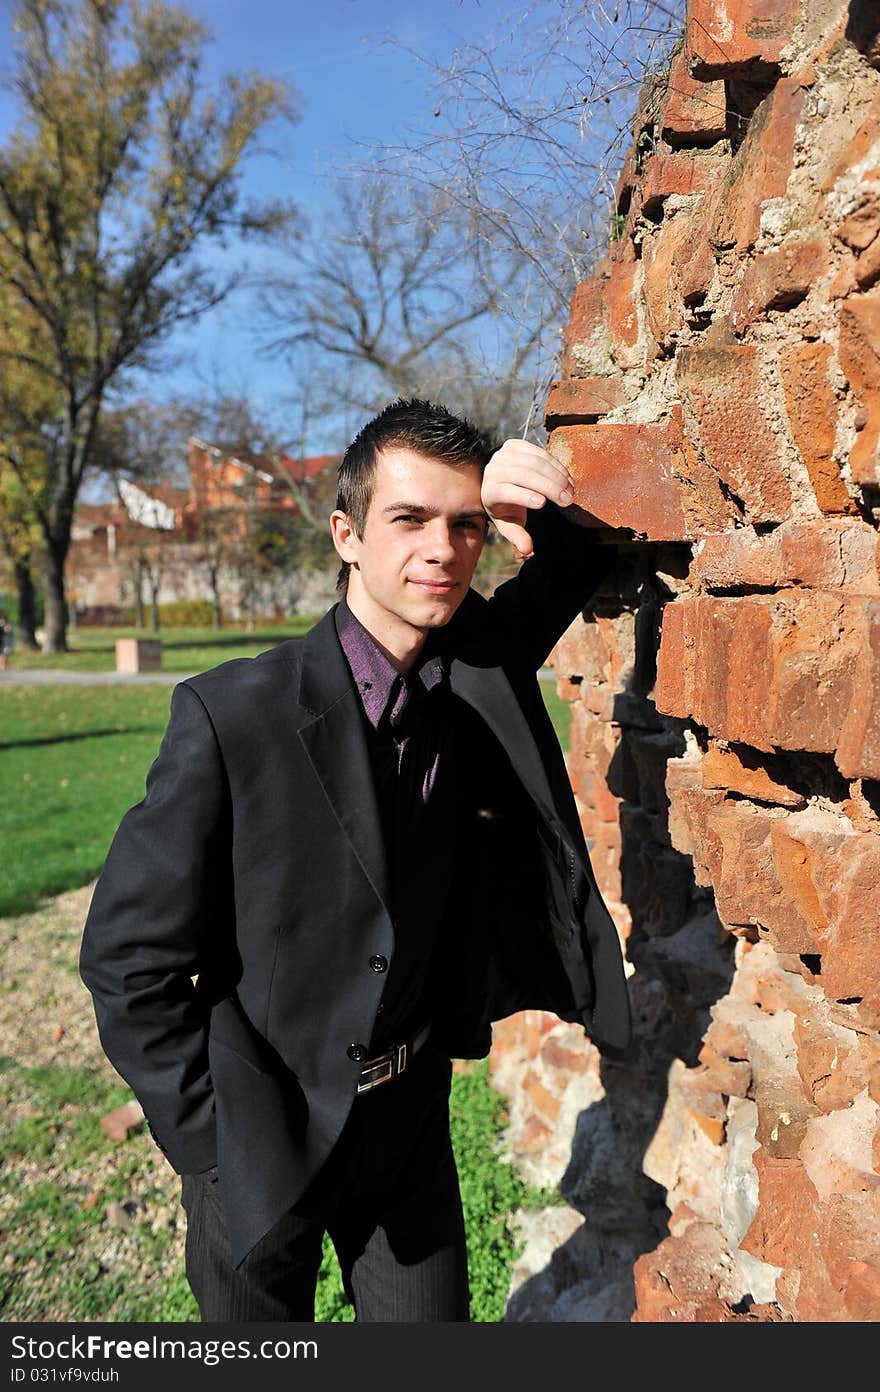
x=388, y=1064
x=401, y=1057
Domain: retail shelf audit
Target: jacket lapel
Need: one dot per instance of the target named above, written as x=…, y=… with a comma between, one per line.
x=334, y=742
x=477, y=675
x=489, y=692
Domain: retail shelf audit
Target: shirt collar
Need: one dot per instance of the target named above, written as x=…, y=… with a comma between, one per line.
x=380, y=686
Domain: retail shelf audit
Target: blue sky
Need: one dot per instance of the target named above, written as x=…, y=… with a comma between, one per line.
x=353, y=64
x=357, y=86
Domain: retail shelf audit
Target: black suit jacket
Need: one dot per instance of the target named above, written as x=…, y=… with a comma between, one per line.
x=228, y=942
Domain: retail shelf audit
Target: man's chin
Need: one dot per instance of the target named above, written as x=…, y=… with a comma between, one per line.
x=435, y=610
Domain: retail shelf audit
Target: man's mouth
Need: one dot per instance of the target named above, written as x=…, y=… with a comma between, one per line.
x=435, y=586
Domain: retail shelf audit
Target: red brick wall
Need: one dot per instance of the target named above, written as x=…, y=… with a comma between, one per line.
x=720, y=396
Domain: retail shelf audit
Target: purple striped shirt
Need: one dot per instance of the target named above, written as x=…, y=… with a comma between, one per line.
x=383, y=689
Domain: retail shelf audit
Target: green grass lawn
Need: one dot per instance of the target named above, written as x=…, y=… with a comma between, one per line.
x=73, y=759
x=183, y=649
x=560, y=712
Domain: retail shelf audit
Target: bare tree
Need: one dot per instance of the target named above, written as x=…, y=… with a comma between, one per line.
x=530, y=128
x=449, y=261
x=402, y=293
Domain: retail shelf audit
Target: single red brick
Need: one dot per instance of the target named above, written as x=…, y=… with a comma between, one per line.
x=858, y=147
x=829, y=555
x=625, y=475
x=861, y=227
x=748, y=886
x=742, y=771
x=724, y=37
x=731, y=559
x=675, y=659
x=586, y=397
x=812, y=412
x=661, y=257
x=623, y=319
x=858, y=747
x=778, y=279
x=694, y=262
x=867, y=267
x=738, y=444
x=772, y=671
x=680, y=173
x=761, y=167
x=694, y=113
x=732, y=681
x=587, y=341
x=120, y=1124
x=859, y=354
x=816, y=639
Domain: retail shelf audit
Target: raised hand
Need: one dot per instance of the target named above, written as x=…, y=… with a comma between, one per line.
x=520, y=476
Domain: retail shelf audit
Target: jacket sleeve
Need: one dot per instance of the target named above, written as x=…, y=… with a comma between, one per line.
x=154, y=925
x=550, y=589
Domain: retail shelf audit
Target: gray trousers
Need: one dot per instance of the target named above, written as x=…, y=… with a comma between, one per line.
x=389, y=1198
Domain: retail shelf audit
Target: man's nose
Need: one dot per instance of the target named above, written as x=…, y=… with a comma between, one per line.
x=440, y=546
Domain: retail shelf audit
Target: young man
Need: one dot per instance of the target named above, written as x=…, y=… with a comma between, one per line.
x=354, y=853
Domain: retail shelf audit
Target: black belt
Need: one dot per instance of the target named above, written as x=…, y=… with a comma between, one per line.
x=386, y=1066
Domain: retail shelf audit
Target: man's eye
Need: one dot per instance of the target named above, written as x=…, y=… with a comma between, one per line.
x=407, y=517
x=470, y=524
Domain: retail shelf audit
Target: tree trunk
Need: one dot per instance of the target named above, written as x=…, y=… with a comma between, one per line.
x=215, y=596
x=154, y=607
x=139, y=617
x=27, y=606
x=246, y=594
x=59, y=522
x=56, y=605
x=250, y=602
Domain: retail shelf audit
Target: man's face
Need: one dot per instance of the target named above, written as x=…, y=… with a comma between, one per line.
x=423, y=536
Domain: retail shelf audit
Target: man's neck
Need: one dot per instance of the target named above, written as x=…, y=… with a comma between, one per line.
x=400, y=643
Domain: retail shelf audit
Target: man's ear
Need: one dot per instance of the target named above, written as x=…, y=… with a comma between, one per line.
x=344, y=537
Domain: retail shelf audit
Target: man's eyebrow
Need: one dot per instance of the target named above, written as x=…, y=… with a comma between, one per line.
x=424, y=511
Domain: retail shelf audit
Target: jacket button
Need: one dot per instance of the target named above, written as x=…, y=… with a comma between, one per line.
x=379, y=963
x=356, y=1052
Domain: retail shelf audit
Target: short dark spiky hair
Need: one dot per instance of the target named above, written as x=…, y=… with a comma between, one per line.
x=422, y=426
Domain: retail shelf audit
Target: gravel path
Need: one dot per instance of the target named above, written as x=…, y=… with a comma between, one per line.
x=62, y=676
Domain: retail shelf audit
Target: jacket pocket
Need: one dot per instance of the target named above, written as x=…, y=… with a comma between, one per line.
x=232, y=1030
